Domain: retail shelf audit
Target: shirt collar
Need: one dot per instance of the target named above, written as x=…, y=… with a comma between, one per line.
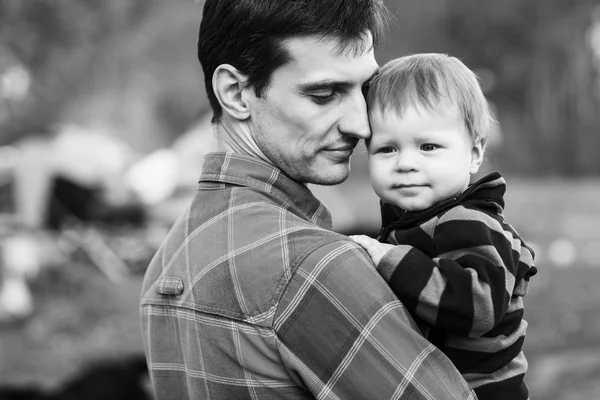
x=490, y=189
x=239, y=169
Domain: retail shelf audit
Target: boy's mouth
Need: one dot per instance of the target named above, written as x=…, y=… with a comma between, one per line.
x=407, y=185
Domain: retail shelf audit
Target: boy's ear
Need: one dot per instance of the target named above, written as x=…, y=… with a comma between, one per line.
x=229, y=84
x=477, y=156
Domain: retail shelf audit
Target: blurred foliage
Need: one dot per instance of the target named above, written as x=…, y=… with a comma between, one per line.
x=59, y=42
x=536, y=62
x=534, y=58
x=547, y=87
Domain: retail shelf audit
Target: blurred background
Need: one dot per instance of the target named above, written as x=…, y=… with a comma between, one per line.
x=104, y=124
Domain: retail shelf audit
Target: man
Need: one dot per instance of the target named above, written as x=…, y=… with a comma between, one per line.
x=252, y=296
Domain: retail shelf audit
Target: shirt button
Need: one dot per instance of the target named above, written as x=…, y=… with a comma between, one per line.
x=170, y=286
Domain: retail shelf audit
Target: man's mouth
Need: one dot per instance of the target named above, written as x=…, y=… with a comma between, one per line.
x=339, y=154
x=340, y=148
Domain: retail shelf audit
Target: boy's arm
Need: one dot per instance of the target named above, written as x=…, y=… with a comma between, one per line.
x=466, y=289
x=344, y=335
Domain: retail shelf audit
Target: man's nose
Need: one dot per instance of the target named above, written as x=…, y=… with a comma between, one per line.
x=355, y=121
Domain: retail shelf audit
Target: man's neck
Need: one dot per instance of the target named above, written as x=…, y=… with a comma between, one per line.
x=238, y=139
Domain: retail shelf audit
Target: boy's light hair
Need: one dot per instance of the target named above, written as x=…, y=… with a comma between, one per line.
x=427, y=79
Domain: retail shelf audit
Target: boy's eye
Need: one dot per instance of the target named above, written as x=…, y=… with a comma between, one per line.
x=386, y=150
x=429, y=147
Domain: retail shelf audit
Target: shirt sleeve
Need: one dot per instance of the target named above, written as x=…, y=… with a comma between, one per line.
x=343, y=334
x=466, y=288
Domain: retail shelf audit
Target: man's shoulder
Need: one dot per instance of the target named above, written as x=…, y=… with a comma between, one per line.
x=235, y=263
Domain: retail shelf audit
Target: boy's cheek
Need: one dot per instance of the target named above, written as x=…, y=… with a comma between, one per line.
x=378, y=166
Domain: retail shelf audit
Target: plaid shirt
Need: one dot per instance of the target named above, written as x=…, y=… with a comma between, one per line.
x=252, y=296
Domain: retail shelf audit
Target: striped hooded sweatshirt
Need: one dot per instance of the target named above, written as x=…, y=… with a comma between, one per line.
x=462, y=271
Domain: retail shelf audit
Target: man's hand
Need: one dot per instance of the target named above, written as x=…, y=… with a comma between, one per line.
x=375, y=249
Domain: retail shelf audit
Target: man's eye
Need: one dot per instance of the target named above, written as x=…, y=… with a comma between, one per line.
x=322, y=98
x=429, y=147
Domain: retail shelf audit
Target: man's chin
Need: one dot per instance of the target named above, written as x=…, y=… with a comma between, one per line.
x=330, y=175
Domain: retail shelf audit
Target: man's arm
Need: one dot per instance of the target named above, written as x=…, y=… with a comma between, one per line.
x=466, y=289
x=346, y=336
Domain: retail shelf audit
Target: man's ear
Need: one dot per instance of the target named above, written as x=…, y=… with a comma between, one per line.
x=477, y=156
x=229, y=84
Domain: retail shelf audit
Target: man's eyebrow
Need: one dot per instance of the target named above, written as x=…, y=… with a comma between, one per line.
x=324, y=85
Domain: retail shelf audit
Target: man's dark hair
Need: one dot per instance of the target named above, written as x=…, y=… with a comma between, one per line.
x=248, y=34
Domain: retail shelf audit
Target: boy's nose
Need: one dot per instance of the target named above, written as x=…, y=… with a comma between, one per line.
x=406, y=161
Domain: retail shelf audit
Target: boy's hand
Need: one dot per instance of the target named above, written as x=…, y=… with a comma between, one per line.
x=375, y=249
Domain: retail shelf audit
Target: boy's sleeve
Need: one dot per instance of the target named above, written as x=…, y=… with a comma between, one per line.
x=466, y=288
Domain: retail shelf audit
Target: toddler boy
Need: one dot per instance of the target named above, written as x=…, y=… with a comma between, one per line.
x=449, y=255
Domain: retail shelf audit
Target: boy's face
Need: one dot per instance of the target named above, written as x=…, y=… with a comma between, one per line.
x=421, y=158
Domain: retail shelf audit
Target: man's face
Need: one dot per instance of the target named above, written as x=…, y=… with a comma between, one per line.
x=421, y=158
x=313, y=112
